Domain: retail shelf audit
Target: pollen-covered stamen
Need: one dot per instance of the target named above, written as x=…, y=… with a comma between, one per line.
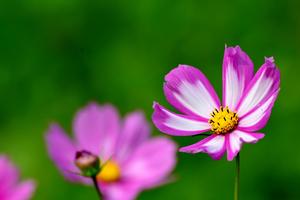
x=110, y=172
x=223, y=120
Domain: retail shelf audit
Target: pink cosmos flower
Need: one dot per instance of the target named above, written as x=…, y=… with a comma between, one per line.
x=133, y=161
x=246, y=107
x=10, y=187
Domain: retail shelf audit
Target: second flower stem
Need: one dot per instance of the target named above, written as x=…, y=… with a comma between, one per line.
x=237, y=177
x=97, y=187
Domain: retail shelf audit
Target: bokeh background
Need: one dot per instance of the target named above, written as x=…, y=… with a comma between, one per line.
x=58, y=55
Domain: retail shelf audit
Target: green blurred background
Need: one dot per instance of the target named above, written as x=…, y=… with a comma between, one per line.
x=58, y=55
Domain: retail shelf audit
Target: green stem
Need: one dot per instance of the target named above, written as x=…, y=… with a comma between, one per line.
x=237, y=178
x=97, y=187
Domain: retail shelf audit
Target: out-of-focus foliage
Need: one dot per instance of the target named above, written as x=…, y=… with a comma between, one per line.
x=57, y=55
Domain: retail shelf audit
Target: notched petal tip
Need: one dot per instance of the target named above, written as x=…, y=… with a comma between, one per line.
x=270, y=63
x=155, y=104
x=175, y=72
x=183, y=66
x=237, y=53
x=158, y=112
x=232, y=50
x=158, y=115
x=270, y=60
x=179, y=69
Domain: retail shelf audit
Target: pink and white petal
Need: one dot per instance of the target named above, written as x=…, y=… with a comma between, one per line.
x=23, y=191
x=9, y=174
x=213, y=145
x=258, y=117
x=151, y=163
x=237, y=73
x=96, y=129
x=122, y=190
x=178, y=125
x=235, y=140
x=188, y=90
x=265, y=82
x=134, y=132
x=62, y=151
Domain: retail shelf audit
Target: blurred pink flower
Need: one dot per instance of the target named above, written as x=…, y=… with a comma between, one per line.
x=134, y=162
x=10, y=186
x=247, y=104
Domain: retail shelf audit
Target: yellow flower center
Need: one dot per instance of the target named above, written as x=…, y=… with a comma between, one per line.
x=110, y=172
x=223, y=120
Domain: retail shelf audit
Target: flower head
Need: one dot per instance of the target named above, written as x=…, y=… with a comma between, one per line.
x=129, y=160
x=10, y=187
x=245, y=109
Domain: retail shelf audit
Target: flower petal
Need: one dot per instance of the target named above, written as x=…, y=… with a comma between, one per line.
x=97, y=128
x=122, y=190
x=9, y=174
x=151, y=163
x=188, y=90
x=134, y=132
x=62, y=152
x=178, y=125
x=258, y=117
x=213, y=145
x=265, y=82
x=237, y=73
x=235, y=140
x=23, y=191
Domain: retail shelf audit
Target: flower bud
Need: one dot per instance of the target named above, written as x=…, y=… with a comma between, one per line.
x=88, y=163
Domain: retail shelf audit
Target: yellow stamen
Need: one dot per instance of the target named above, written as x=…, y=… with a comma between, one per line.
x=110, y=172
x=223, y=120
